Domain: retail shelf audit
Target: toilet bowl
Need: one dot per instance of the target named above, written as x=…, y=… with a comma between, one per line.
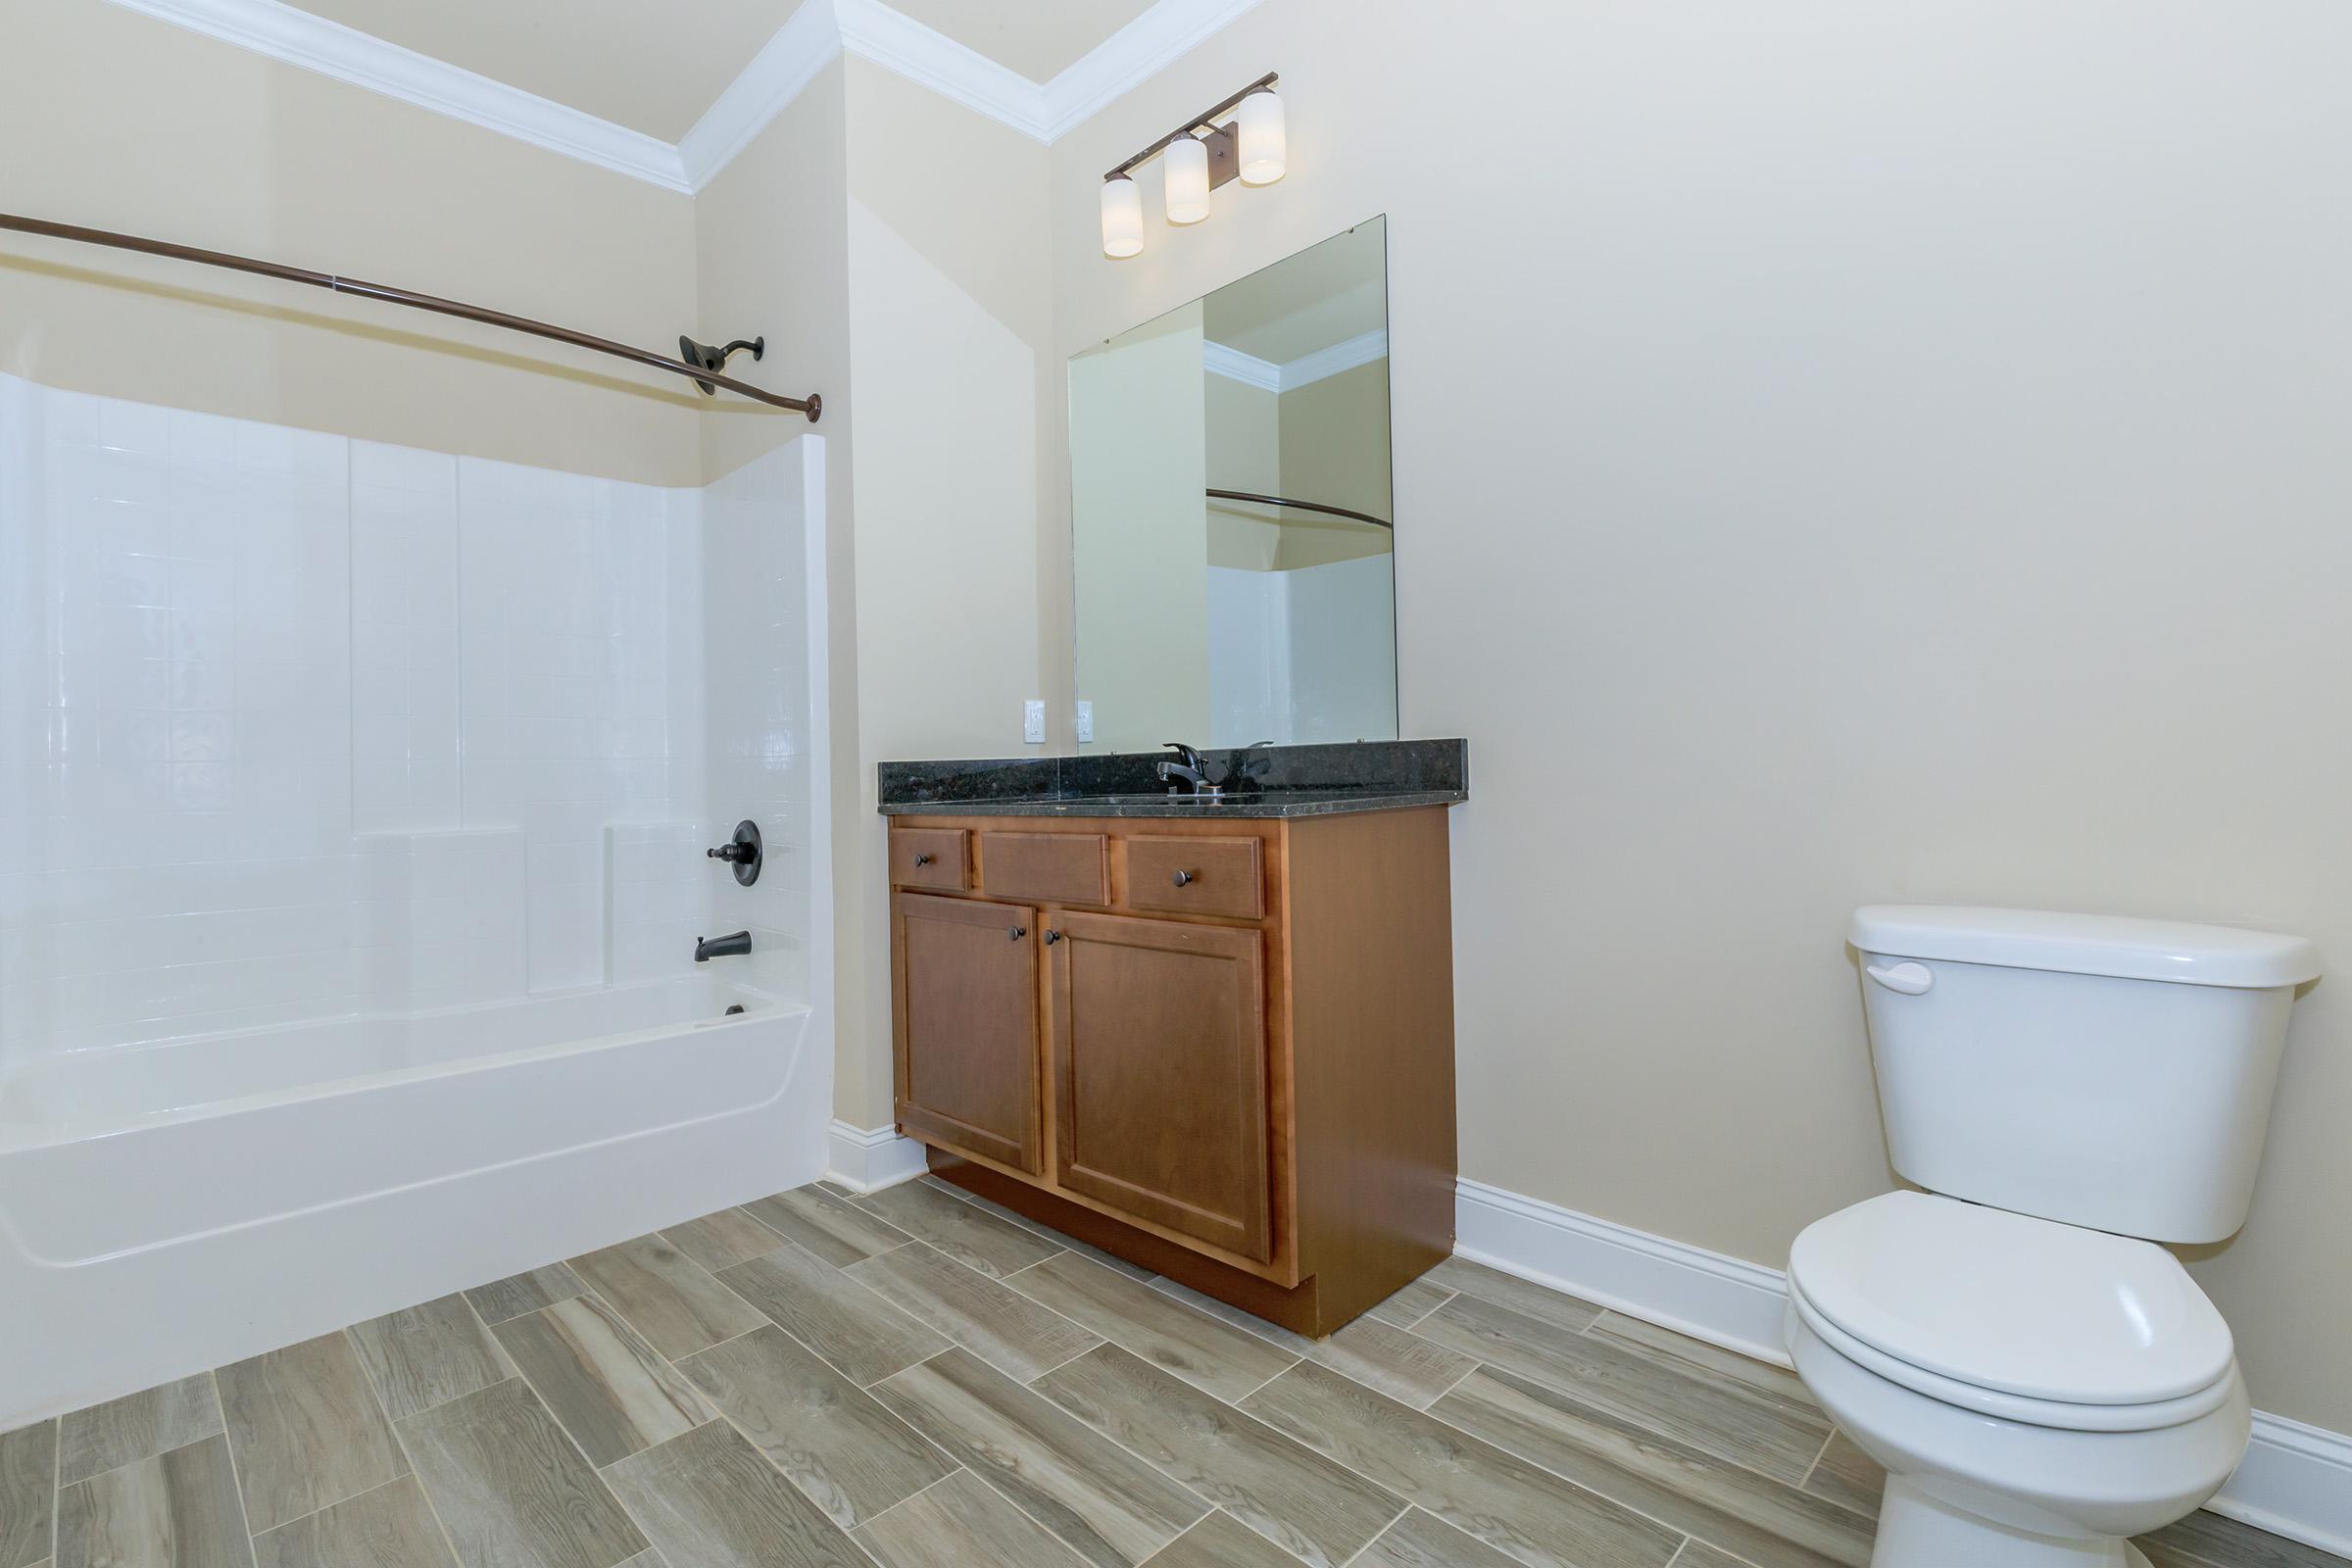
x=1949, y=1328
x=2040, y=1380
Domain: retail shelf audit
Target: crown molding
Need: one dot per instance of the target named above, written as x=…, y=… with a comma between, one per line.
x=299, y=38
x=1131, y=56
x=1218, y=359
x=887, y=37
x=1343, y=356
x=808, y=40
x=785, y=64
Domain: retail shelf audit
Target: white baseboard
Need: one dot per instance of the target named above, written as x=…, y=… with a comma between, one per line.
x=1705, y=1295
x=2296, y=1480
x=866, y=1159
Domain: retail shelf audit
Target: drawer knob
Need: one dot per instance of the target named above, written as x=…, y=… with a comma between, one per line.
x=1017, y=932
x=1053, y=937
x=1184, y=878
x=925, y=858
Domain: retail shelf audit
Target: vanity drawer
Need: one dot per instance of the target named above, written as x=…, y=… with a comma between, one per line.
x=1197, y=876
x=938, y=858
x=1047, y=867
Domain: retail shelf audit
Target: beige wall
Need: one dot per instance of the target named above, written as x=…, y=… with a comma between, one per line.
x=951, y=315
x=1242, y=429
x=1335, y=449
x=1843, y=452
x=117, y=120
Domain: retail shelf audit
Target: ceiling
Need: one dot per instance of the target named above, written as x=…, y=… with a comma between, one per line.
x=1037, y=39
x=654, y=69
x=1317, y=299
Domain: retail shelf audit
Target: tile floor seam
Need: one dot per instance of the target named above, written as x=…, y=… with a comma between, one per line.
x=1424, y=1317
x=1592, y=1490
x=401, y=1443
x=1384, y=1530
x=1819, y=1454
x=725, y=1415
x=236, y=1477
x=57, y=1468
x=914, y=1240
x=769, y=1322
x=1254, y=1420
x=1295, y=1362
x=1066, y=1544
x=884, y=1513
x=562, y=1432
x=118, y=1469
x=993, y=1279
x=364, y=1492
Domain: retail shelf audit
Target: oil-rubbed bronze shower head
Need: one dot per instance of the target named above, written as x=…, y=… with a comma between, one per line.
x=705, y=356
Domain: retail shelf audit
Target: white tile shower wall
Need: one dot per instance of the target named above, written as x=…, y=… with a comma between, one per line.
x=656, y=895
x=403, y=638
x=755, y=713
x=449, y=913
x=566, y=648
x=188, y=864
x=245, y=669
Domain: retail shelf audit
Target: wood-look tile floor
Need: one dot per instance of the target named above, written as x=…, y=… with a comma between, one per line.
x=920, y=1379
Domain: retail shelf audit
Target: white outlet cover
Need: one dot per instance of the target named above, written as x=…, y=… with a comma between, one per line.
x=1032, y=721
x=1086, y=722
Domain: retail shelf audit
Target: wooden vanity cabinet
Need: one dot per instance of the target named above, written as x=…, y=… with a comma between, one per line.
x=1223, y=1050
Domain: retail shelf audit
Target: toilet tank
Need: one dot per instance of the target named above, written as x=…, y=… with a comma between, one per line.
x=2105, y=1072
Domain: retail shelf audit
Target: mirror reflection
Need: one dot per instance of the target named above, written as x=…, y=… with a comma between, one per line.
x=1231, y=512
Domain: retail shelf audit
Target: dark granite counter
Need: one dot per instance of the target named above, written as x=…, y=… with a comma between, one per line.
x=1291, y=781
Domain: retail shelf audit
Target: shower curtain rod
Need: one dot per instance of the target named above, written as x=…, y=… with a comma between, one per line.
x=1304, y=505
x=813, y=404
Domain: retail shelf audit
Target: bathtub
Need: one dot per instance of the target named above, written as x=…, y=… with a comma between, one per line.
x=167, y=1207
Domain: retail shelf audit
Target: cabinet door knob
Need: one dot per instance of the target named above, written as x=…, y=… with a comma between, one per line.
x=1184, y=878
x=1017, y=932
x=1053, y=937
x=925, y=858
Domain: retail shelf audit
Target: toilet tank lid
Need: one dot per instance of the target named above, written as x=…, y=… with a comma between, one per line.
x=2087, y=944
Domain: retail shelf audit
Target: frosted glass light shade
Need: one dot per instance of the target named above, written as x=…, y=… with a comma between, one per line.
x=1186, y=164
x=1122, y=219
x=1265, y=146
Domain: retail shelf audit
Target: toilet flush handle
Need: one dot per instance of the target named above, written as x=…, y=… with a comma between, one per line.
x=1911, y=979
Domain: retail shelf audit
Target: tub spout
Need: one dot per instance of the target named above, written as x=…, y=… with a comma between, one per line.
x=727, y=947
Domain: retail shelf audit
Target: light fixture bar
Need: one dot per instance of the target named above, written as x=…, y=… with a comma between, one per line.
x=1200, y=121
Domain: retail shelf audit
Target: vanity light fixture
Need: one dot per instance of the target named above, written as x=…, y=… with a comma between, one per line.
x=1194, y=160
x=1184, y=167
x=1123, y=217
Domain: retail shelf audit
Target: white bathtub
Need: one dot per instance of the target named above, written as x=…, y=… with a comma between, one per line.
x=169, y=1207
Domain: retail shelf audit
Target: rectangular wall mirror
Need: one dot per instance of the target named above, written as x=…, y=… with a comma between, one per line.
x=1232, y=526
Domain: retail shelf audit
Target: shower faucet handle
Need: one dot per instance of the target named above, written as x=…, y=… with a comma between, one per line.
x=744, y=852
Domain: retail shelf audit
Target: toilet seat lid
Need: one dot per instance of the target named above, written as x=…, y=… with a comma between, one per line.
x=2010, y=1302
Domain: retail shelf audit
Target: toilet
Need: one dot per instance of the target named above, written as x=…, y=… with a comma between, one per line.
x=2039, y=1378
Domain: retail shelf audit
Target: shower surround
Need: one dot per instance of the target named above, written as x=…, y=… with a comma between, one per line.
x=353, y=802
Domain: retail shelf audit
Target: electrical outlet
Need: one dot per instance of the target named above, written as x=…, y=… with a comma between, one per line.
x=1032, y=721
x=1086, y=723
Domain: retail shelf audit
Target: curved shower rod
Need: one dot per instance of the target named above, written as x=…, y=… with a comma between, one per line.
x=813, y=404
x=1303, y=505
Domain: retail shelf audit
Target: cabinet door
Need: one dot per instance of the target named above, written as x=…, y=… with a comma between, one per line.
x=1158, y=1035
x=965, y=1016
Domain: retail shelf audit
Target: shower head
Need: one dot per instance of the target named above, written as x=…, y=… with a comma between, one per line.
x=703, y=356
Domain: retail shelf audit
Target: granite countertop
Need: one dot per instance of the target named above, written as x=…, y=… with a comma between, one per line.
x=1257, y=804
x=1290, y=781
